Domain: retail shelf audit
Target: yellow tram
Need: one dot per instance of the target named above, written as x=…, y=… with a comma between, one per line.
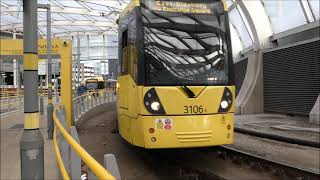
x=175, y=87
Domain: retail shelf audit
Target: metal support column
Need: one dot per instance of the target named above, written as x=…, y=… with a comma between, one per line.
x=56, y=82
x=16, y=72
x=88, y=46
x=50, y=105
x=78, y=60
x=31, y=144
x=104, y=62
x=41, y=96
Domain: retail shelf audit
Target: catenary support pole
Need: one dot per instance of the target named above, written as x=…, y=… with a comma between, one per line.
x=104, y=62
x=78, y=61
x=31, y=144
x=50, y=105
x=41, y=96
x=17, y=73
x=56, y=82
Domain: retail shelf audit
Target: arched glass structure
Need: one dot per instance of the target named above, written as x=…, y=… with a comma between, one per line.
x=95, y=17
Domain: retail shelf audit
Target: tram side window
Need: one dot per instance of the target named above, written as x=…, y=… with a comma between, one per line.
x=132, y=49
x=124, y=60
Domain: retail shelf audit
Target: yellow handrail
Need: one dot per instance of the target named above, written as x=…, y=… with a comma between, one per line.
x=63, y=170
x=96, y=168
x=10, y=97
x=8, y=104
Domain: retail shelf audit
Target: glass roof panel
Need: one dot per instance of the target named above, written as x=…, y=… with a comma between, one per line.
x=99, y=18
x=284, y=15
x=77, y=17
x=9, y=2
x=245, y=21
x=315, y=7
x=308, y=10
x=56, y=16
x=69, y=3
x=98, y=7
x=240, y=27
x=42, y=16
x=229, y=2
x=236, y=42
x=118, y=4
x=69, y=17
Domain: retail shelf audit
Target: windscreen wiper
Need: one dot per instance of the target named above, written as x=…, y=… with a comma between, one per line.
x=188, y=91
x=184, y=87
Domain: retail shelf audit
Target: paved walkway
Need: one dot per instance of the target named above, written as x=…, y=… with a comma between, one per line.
x=11, y=132
x=279, y=124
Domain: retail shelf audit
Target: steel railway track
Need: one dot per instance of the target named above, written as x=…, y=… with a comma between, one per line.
x=262, y=164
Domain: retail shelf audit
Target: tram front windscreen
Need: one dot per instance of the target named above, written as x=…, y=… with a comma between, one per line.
x=185, y=42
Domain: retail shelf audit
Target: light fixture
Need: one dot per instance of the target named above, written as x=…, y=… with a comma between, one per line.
x=155, y=106
x=224, y=104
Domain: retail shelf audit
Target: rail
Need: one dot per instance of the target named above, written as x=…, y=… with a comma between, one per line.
x=11, y=103
x=83, y=103
x=60, y=127
x=268, y=164
x=14, y=93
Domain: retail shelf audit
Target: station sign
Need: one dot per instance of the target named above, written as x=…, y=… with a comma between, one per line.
x=15, y=46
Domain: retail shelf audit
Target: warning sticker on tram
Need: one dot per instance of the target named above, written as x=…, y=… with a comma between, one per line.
x=181, y=7
x=164, y=123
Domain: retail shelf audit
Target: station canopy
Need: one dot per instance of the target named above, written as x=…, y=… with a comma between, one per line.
x=68, y=18
x=96, y=17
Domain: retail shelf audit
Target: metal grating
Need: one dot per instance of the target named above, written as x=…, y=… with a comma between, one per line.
x=240, y=69
x=292, y=78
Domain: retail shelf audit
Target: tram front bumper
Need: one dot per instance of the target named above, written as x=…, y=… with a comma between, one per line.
x=187, y=131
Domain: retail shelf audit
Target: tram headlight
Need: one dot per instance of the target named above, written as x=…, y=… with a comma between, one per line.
x=224, y=104
x=155, y=106
x=152, y=102
x=226, y=100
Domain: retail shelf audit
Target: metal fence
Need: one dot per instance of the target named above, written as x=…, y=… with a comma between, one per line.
x=84, y=103
x=11, y=103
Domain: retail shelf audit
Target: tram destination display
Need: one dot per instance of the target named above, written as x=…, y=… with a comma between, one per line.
x=181, y=7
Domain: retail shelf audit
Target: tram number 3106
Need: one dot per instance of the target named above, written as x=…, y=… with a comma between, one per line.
x=194, y=109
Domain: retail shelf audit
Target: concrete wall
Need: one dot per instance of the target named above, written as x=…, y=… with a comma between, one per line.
x=250, y=97
x=314, y=116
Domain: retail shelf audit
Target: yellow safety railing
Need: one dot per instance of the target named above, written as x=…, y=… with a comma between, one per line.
x=95, y=167
x=62, y=168
x=9, y=94
x=11, y=103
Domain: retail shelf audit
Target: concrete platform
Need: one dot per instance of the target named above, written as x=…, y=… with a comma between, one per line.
x=11, y=132
x=279, y=124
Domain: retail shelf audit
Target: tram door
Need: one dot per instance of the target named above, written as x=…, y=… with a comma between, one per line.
x=132, y=69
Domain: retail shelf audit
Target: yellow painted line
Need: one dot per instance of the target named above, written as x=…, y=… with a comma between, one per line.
x=95, y=167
